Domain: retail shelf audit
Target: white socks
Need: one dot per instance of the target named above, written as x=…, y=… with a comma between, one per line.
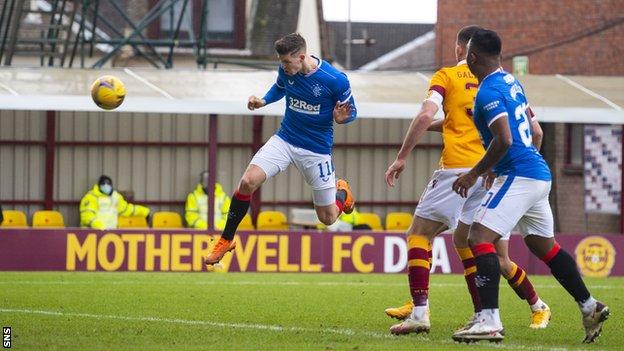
x=419, y=312
x=539, y=305
x=588, y=305
x=491, y=316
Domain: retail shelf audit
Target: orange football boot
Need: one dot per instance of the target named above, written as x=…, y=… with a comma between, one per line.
x=223, y=246
x=349, y=202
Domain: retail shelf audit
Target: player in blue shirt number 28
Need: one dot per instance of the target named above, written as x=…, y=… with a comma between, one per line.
x=519, y=195
x=317, y=95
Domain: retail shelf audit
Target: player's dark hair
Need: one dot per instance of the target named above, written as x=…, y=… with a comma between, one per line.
x=486, y=42
x=464, y=34
x=290, y=44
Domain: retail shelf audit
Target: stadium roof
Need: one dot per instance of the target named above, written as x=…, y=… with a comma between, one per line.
x=568, y=99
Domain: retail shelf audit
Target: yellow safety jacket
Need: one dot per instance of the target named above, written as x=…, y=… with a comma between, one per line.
x=353, y=218
x=100, y=211
x=196, y=211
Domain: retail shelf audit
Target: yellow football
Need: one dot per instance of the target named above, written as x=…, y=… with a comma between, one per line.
x=108, y=92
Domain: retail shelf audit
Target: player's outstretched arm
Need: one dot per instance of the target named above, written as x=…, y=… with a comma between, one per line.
x=501, y=141
x=276, y=92
x=417, y=128
x=255, y=102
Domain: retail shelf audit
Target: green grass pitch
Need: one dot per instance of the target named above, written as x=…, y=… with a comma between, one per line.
x=242, y=311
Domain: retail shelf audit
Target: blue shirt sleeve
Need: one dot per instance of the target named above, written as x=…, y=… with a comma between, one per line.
x=276, y=92
x=342, y=94
x=490, y=104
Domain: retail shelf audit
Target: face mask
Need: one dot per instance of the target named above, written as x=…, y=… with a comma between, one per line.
x=106, y=189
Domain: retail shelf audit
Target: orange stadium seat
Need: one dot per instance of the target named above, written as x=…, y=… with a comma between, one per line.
x=398, y=221
x=132, y=222
x=246, y=223
x=272, y=220
x=169, y=220
x=14, y=219
x=48, y=219
x=372, y=219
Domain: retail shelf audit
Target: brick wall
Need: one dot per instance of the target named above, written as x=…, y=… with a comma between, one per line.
x=568, y=188
x=533, y=23
x=567, y=196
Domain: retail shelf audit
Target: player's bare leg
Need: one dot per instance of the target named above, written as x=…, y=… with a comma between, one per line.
x=563, y=268
x=327, y=214
x=251, y=180
x=345, y=202
x=419, y=236
x=488, y=325
x=520, y=283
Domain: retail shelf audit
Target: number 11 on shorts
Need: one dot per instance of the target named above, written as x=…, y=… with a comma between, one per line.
x=330, y=169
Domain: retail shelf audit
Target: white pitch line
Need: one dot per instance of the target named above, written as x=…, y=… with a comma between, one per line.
x=589, y=92
x=264, y=327
x=423, y=77
x=146, y=82
x=281, y=283
x=13, y=92
x=268, y=327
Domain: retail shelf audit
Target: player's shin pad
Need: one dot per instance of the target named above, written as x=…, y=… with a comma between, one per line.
x=418, y=266
x=488, y=274
x=470, y=272
x=238, y=209
x=563, y=268
x=520, y=283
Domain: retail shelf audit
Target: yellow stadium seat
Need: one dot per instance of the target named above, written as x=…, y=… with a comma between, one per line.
x=132, y=222
x=14, y=219
x=169, y=220
x=372, y=219
x=398, y=221
x=272, y=220
x=48, y=219
x=246, y=223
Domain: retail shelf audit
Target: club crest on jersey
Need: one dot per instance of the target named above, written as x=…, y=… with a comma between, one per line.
x=303, y=107
x=317, y=91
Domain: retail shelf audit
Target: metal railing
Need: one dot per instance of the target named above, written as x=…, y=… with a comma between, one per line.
x=74, y=28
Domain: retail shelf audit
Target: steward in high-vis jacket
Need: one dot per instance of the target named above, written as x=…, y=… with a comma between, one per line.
x=101, y=206
x=196, y=211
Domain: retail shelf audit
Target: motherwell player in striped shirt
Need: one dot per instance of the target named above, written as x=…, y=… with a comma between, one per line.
x=453, y=90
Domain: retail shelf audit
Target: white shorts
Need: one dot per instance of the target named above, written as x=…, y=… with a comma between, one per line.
x=517, y=200
x=441, y=204
x=317, y=169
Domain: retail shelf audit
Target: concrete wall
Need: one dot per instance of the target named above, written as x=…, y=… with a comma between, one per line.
x=160, y=173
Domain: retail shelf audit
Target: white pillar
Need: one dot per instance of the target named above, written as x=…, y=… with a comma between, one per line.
x=308, y=26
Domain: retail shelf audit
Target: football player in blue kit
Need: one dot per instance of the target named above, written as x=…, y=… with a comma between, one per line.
x=519, y=195
x=317, y=95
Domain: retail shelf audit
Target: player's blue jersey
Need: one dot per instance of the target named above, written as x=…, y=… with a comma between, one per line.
x=310, y=99
x=501, y=94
